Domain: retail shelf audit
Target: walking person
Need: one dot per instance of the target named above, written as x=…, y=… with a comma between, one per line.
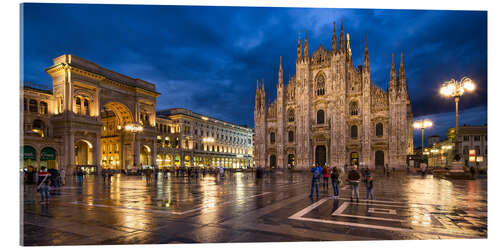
x=315, y=180
x=369, y=186
x=109, y=174
x=335, y=176
x=43, y=185
x=325, y=174
x=103, y=173
x=353, y=177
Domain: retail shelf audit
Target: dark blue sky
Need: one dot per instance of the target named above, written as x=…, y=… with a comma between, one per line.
x=208, y=58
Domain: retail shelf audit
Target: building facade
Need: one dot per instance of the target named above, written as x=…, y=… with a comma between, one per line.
x=330, y=113
x=473, y=145
x=86, y=120
x=185, y=138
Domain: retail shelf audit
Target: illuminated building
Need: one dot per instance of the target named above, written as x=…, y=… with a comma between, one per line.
x=331, y=113
x=95, y=118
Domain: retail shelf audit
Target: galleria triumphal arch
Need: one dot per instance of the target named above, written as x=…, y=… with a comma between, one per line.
x=93, y=110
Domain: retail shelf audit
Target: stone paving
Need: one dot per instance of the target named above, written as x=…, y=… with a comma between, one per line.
x=239, y=208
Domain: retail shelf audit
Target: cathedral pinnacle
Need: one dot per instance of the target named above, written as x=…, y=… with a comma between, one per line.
x=367, y=55
x=280, y=75
x=334, y=40
x=342, y=39
x=306, y=47
x=299, y=50
x=393, y=73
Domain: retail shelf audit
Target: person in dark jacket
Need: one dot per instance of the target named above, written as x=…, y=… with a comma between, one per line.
x=369, y=185
x=353, y=178
x=335, y=176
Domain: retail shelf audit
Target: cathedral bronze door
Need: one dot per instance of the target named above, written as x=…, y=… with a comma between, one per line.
x=272, y=161
x=379, y=159
x=291, y=160
x=354, y=158
x=320, y=155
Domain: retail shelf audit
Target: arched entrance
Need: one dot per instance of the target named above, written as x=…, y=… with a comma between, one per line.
x=83, y=156
x=291, y=160
x=354, y=158
x=48, y=158
x=379, y=159
x=28, y=158
x=114, y=117
x=272, y=161
x=145, y=156
x=320, y=155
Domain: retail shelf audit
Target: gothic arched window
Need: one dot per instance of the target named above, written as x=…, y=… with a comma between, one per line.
x=291, y=115
x=320, y=117
x=78, y=105
x=354, y=131
x=320, y=85
x=354, y=108
x=379, y=129
x=272, y=138
x=290, y=136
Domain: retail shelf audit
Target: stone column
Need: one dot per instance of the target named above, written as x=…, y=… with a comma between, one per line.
x=69, y=152
x=137, y=151
x=97, y=153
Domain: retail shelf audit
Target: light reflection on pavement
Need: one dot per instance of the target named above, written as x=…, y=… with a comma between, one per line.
x=238, y=208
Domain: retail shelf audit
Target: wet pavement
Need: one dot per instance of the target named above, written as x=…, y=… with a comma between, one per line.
x=238, y=208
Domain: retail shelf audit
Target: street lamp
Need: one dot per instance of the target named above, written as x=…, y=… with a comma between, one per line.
x=422, y=124
x=134, y=128
x=456, y=89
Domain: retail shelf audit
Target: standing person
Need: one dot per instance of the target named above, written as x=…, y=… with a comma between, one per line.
x=353, y=177
x=103, y=173
x=63, y=177
x=369, y=186
x=109, y=174
x=335, y=182
x=386, y=169
x=325, y=174
x=315, y=180
x=221, y=172
x=79, y=176
x=43, y=185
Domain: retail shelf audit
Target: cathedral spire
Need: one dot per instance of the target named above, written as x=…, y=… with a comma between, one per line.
x=393, y=74
x=342, y=39
x=299, y=50
x=401, y=75
x=280, y=74
x=306, y=48
x=366, y=60
x=334, y=40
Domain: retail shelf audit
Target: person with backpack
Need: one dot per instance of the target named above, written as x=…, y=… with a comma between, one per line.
x=335, y=176
x=369, y=185
x=353, y=178
x=43, y=185
x=315, y=180
x=325, y=174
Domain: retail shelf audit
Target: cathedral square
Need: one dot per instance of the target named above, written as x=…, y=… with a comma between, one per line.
x=358, y=128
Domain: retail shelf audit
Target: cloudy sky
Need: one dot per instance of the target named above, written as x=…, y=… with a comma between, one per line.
x=208, y=58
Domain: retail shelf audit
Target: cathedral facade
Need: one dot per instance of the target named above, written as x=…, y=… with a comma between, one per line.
x=330, y=113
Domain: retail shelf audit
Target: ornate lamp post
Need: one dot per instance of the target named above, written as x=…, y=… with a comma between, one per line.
x=455, y=89
x=134, y=128
x=422, y=124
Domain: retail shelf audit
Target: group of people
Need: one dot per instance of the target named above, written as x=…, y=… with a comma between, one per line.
x=48, y=182
x=107, y=174
x=354, y=177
